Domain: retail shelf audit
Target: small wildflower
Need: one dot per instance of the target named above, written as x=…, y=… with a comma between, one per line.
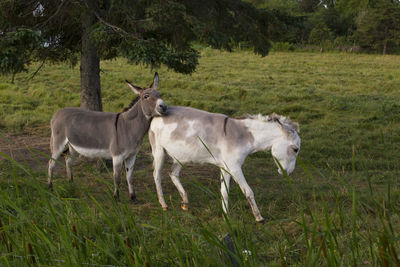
x=246, y=254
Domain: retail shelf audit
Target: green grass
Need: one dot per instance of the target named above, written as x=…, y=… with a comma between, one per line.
x=339, y=208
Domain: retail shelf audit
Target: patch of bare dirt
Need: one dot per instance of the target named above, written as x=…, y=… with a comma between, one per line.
x=32, y=150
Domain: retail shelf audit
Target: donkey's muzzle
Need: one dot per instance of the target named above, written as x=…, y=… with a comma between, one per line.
x=162, y=108
x=288, y=172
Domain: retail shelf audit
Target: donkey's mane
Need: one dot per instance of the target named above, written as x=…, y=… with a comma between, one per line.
x=274, y=118
x=134, y=101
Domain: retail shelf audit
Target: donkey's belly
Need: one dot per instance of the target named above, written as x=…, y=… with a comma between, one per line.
x=185, y=153
x=92, y=152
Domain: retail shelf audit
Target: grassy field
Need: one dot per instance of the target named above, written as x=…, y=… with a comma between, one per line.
x=340, y=207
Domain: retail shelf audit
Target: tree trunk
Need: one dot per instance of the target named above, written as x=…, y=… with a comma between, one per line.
x=90, y=74
x=90, y=66
x=13, y=77
x=384, y=47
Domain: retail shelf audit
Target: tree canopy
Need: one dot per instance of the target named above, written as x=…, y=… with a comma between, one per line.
x=149, y=32
x=144, y=32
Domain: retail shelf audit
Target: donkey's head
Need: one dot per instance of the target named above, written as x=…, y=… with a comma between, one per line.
x=151, y=103
x=286, y=147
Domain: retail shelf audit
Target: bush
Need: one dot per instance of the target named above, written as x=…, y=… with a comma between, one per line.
x=282, y=47
x=320, y=34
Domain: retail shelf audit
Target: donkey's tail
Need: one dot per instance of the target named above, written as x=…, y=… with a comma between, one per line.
x=51, y=143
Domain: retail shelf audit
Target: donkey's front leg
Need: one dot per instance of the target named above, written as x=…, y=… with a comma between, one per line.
x=176, y=169
x=117, y=166
x=129, y=164
x=238, y=176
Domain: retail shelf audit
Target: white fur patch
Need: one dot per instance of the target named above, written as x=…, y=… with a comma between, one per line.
x=92, y=152
x=191, y=131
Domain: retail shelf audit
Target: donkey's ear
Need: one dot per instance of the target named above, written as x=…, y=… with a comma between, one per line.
x=154, y=84
x=283, y=128
x=296, y=126
x=134, y=88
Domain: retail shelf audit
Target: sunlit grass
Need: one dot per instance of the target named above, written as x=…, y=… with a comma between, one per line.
x=340, y=207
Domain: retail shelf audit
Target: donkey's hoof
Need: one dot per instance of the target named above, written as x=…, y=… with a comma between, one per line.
x=165, y=208
x=116, y=198
x=261, y=221
x=50, y=186
x=134, y=200
x=185, y=206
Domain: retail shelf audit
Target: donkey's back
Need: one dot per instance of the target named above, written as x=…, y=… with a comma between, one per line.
x=188, y=134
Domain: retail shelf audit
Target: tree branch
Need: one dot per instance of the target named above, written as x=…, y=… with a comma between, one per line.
x=113, y=27
x=38, y=69
x=55, y=14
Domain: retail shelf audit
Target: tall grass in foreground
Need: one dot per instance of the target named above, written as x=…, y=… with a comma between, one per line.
x=335, y=237
x=335, y=226
x=40, y=227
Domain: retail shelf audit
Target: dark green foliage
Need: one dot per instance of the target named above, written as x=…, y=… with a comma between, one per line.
x=146, y=32
x=153, y=53
x=309, y=6
x=15, y=50
x=343, y=25
x=319, y=34
x=378, y=27
x=286, y=27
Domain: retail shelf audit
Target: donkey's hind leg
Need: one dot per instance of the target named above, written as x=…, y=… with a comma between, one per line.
x=129, y=164
x=57, y=147
x=117, y=166
x=225, y=181
x=69, y=161
x=176, y=168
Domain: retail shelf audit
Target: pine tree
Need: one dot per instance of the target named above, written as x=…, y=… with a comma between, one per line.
x=149, y=32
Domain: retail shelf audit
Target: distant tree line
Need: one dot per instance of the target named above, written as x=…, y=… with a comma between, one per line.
x=364, y=25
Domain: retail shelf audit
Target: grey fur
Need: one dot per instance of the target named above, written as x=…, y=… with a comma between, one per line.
x=117, y=136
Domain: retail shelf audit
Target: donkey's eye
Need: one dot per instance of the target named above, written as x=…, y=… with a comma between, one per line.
x=295, y=149
x=146, y=96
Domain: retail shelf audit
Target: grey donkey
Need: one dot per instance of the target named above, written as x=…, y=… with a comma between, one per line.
x=116, y=136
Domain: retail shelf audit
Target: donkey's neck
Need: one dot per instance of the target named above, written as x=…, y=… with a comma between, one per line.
x=135, y=118
x=264, y=133
x=133, y=112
